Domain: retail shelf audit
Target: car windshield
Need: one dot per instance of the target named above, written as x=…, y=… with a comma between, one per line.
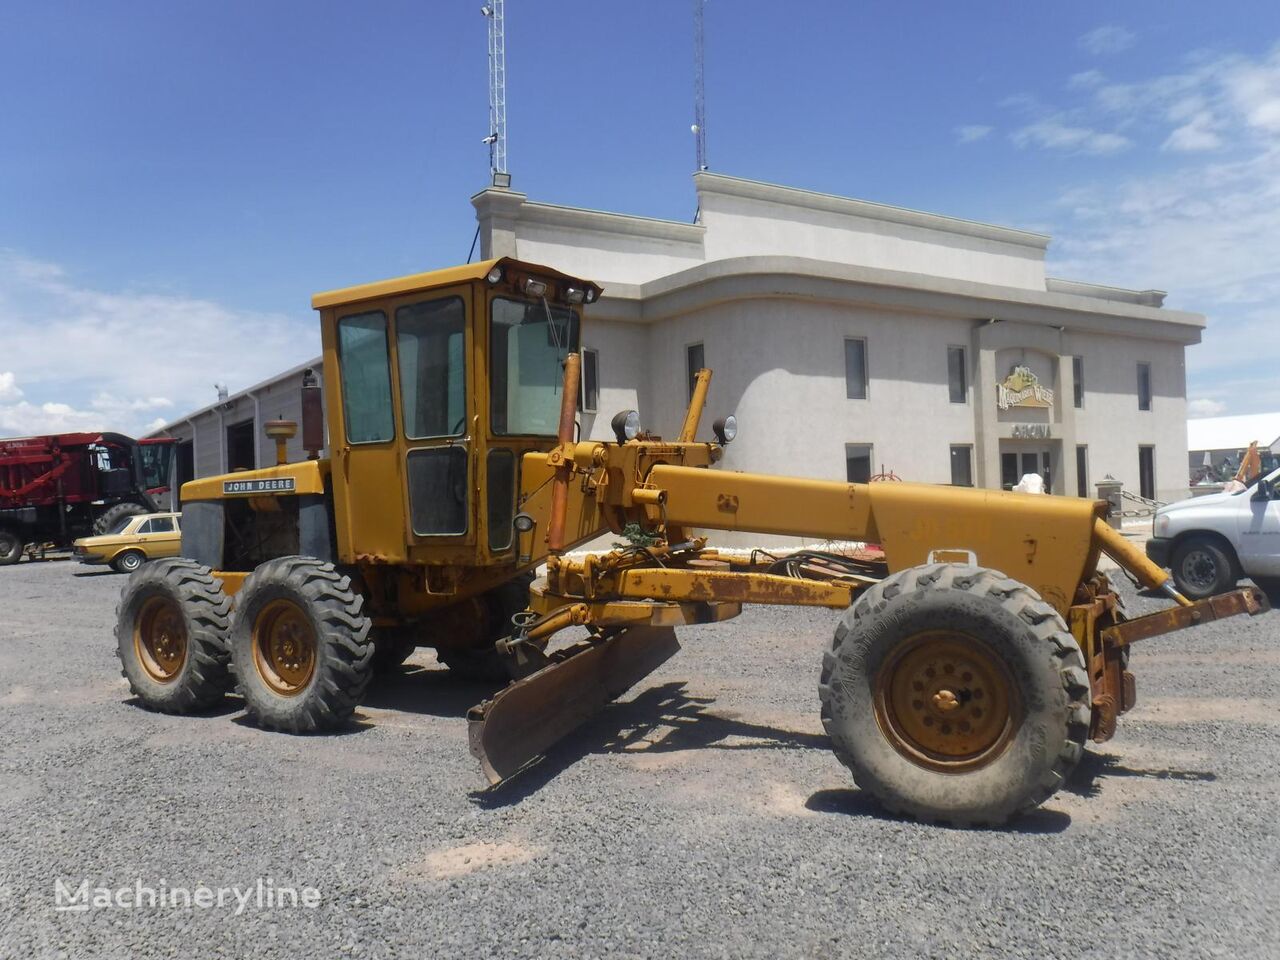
x=528, y=343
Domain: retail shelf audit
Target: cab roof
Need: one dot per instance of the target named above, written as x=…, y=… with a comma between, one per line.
x=433, y=279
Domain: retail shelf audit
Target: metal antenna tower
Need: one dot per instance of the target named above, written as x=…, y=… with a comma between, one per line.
x=497, y=138
x=699, y=90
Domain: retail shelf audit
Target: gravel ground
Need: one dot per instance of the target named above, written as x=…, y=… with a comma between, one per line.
x=703, y=817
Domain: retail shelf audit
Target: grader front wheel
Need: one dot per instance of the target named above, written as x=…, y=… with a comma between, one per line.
x=300, y=644
x=954, y=693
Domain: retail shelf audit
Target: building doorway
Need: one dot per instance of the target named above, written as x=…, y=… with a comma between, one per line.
x=1147, y=472
x=1016, y=462
x=240, y=452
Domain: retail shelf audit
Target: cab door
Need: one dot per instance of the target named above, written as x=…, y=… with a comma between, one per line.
x=367, y=475
x=432, y=350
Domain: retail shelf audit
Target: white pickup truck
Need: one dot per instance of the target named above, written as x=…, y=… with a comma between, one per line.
x=1210, y=542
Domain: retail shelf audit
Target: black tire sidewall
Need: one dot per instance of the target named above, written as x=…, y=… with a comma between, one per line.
x=337, y=682
x=272, y=708
x=173, y=696
x=990, y=792
x=13, y=553
x=1224, y=568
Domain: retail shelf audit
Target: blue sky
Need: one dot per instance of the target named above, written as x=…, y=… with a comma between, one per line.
x=177, y=178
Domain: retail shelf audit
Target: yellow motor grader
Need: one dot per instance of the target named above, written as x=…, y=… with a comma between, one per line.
x=974, y=653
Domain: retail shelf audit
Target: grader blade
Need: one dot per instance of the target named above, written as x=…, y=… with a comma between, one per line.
x=523, y=720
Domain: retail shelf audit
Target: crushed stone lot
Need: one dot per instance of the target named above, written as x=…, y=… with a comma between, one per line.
x=703, y=816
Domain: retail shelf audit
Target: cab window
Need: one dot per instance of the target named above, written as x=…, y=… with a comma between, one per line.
x=430, y=344
x=528, y=343
x=366, y=377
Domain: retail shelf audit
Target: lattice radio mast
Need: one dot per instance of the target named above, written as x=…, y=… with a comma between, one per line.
x=699, y=90
x=497, y=138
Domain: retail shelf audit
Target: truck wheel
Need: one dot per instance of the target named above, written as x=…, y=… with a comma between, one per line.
x=955, y=693
x=1202, y=568
x=301, y=648
x=10, y=548
x=171, y=628
x=128, y=561
x=113, y=518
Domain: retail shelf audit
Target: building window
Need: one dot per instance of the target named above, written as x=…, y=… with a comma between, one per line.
x=1144, y=386
x=1147, y=472
x=589, y=399
x=857, y=462
x=961, y=465
x=855, y=369
x=694, y=360
x=957, y=376
x=1082, y=470
x=1077, y=380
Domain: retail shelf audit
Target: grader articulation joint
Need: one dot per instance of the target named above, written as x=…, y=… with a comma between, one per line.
x=977, y=650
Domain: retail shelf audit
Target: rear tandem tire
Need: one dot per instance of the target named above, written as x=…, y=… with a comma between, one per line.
x=10, y=548
x=171, y=628
x=953, y=693
x=301, y=646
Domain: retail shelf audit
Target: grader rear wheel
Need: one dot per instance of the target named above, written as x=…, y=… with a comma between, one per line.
x=954, y=693
x=300, y=645
x=171, y=628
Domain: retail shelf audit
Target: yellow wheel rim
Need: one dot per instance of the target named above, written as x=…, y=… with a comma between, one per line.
x=946, y=701
x=160, y=638
x=284, y=647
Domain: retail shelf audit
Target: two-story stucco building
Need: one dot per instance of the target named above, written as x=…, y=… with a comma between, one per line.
x=848, y=337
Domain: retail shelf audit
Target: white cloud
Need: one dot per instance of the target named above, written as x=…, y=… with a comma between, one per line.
x=972, y=132
x=1086, y=80
x=1054, y=133
x=1110, y=38
x=1195, y=136
x=1204, y=407
x=90, y=359
x=8, y=386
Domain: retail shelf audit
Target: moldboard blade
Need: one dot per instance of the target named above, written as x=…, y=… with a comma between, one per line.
x=523, y=720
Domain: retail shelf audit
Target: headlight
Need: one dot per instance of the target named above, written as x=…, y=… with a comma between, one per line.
x=522, y=522
x=1160, y=525
x=626, y=425
x=574, y=294
x=535, y=288
x=494, y=276
x=726, y=428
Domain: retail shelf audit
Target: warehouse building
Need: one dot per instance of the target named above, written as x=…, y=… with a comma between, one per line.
x=850, y=338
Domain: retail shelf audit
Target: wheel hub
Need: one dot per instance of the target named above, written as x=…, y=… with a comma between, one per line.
x=284, y=647
x=946, y=701
x=1199, y=569
x=160, y=639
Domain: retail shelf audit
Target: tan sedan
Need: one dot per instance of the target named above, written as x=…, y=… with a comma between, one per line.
x=146, y=537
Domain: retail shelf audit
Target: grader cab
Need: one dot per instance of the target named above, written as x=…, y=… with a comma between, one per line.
x=976, y=650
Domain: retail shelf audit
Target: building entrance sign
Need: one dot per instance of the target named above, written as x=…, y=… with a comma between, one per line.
x=1030, y=431
x=1022, y=389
